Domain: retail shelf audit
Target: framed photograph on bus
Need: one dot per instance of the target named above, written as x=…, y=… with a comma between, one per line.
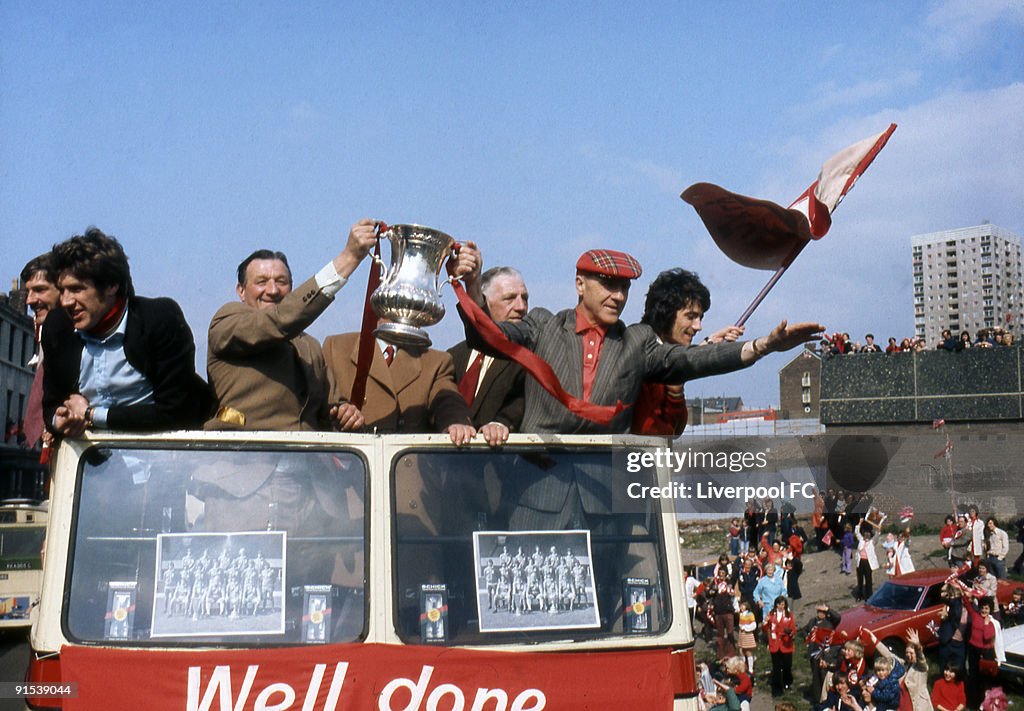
x=534, y=580
x=219, y=584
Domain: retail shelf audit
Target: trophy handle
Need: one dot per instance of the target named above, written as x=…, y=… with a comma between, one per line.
x=382, y=230
x=453, y=251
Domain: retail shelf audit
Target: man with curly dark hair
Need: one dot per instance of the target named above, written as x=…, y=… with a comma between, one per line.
x=676, y=303
x=115, y=360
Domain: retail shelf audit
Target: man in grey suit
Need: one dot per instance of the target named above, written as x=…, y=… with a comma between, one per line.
x=601, y=360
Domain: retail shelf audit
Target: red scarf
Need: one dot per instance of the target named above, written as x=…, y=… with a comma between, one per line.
x=109, y=322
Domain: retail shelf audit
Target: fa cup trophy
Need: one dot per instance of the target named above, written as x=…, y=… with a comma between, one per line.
x=407, y=298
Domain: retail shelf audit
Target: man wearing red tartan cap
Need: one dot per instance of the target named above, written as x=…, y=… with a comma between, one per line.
x=599, y=359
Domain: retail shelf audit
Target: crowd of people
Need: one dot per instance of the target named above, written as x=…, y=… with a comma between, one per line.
x=841, y=343
x=751, y=588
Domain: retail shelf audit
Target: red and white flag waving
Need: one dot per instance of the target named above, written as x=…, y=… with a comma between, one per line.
x=764, y=235
x=837, y=176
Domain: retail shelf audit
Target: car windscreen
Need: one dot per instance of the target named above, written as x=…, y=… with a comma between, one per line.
x=892, y=596
x=229, y=546
x=505, y=547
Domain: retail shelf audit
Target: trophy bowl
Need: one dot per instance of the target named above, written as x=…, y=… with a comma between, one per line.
x=408, y=297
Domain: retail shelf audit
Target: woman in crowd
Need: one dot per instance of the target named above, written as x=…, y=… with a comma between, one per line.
x=740, y=680
x=985, y=584
x=780, y=630
x=839, y=698
x=867, y=559
x=724, y=611
x=981, y=646
x=723, y=562
x=948, y=692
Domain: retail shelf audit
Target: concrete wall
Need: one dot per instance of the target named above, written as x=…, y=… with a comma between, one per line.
x=975, y=385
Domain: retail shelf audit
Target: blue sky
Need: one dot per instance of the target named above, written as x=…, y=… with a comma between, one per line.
x=197, y=132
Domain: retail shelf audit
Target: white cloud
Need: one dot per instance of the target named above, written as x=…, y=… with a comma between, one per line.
x=304, y=111
x=954, y=161
x=831, y=94
x=633, y=171
x=958, y=25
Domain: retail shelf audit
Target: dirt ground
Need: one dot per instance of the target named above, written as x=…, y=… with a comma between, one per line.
x=820, y=582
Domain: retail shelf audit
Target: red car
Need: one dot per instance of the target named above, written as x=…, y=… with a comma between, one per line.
x=906, y=601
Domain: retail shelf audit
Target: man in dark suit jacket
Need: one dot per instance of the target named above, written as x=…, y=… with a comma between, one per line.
x=498, y=395
x=115, y=360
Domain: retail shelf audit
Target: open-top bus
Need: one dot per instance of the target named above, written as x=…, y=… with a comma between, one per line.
x=325, y=571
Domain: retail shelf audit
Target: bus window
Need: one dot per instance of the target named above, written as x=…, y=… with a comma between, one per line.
x=523, y=547
x=218, y=547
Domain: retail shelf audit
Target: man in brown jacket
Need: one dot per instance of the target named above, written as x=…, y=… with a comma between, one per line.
x=267, y=373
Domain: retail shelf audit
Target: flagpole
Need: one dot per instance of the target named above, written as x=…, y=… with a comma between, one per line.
x=771, y=282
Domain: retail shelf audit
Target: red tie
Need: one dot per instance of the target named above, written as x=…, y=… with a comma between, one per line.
x=389, y=355
x=467, y=387
x=34, y=411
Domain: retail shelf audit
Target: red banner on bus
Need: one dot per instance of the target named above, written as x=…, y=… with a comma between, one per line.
x=363, y=677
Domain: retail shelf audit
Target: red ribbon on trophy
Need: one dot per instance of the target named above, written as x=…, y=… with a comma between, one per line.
x=533, y=364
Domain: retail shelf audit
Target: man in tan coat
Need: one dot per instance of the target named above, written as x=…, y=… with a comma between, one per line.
x=416, y=392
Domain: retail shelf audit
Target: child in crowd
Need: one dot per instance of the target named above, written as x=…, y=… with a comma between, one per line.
x=734, y=537
x=748, y=640
x=948, y=692
x=744, y=536
x=741, y=682
x=849, y=543
x=889, y=546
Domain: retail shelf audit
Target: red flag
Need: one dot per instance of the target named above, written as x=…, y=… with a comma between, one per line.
x=762, y=234
x=837, y=176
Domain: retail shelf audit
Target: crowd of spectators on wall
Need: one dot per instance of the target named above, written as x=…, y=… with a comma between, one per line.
x=840, y=343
